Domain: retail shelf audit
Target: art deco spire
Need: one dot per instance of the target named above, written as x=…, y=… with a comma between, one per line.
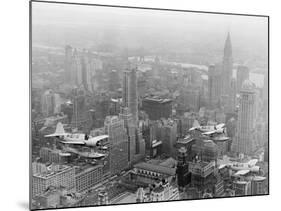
x=228, y=47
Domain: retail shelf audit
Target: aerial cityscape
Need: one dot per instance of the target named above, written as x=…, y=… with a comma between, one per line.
x=134, y=106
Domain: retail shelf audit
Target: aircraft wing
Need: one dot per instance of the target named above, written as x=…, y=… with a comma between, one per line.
x=253, y=162
x=221, y=166
x=209, y=132
x=73, y=142
x=56, y=134
x=242, y=172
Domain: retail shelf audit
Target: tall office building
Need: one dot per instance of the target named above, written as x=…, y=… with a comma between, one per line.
x=76, y=76
x=118, y=144
x=183, y=174
x=214, y=84
x=125, y=89
x=68, y=62
x=191, y=97
x=113, y=80
x=130, y=93
x=80, y=117
x=131, y=131
x=47, y=102
x=246, y=118
x=167, y=132
x=86, y=74
x=227, y=65
x=133, y=95
x=242, y=74
x=232, y=96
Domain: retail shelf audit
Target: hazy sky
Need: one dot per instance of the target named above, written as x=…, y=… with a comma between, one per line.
x=140, y=27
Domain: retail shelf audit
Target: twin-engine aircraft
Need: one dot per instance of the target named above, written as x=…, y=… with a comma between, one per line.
x=77, y=138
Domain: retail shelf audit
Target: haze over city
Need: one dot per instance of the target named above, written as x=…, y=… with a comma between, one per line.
x=136, y=105
x=158, y=31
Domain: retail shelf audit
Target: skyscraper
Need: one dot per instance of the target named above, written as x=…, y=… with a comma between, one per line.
x=167, y=132
x=125, y=89
x=76, y=76
x=242, y=75
x=47, y=102
x=68, y=62
x=131, y=132
x=214, y=84
x=118, y=144
x=232, y=96
x=227, y=66
x=133, y=95
x=86, y=71
x=183, y=174
x=246, y=118
x=80, y=117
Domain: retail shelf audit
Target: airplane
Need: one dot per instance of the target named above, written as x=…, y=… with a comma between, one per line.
x=241, y=168
x=209, y=129
x=76, y=138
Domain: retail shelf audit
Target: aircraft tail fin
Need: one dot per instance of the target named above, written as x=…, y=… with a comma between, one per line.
x=196, y=123
x=59, y=131
x=253, y=162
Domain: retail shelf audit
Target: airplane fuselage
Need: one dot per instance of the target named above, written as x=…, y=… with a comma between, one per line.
x=206, y=128
x=74, y=137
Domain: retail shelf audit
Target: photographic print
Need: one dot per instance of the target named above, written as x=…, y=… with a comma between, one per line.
x=138, y=105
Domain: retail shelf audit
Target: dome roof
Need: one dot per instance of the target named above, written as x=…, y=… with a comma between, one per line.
x=248, y=85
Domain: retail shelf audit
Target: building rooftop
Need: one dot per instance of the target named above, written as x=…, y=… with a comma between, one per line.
x=156, y=168
x=85, y=168
x=52, y=171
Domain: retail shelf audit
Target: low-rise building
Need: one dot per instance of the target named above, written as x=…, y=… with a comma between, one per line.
x=57, y=176
x=147, y=173
x=87, y=177
x=201, y=168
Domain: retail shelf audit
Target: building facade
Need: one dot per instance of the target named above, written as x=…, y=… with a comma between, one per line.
x=58, y=175
x=118, y=144
x=86, y=178
x=246, y=118
x=157, y=108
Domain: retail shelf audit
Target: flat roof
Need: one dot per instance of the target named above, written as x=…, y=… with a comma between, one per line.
x=82, y=169
x=49, y=174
